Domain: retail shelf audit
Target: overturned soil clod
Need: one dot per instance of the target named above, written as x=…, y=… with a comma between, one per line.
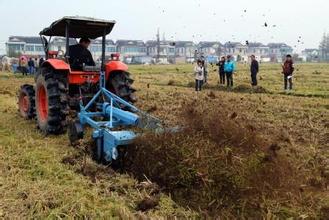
x=249, y=89
x=213, y=163
x=148, y=203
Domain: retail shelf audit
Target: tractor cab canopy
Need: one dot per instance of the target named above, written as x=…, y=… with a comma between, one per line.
x=79, y=27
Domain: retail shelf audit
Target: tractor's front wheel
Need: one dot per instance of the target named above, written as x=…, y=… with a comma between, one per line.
x=51, y=102
x=26, y=101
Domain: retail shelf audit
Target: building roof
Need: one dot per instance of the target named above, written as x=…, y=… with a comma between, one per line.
x=130, y=43
x=256, y=44
x=184, y=43
x=310, y=50
x=72, y=41
x=153, y=43
x=24, y=39
x=277, y=45
x=232, y=44
x=204, y=44
x=99, y=41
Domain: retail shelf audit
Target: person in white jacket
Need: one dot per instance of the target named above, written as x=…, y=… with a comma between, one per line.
x=199, y=75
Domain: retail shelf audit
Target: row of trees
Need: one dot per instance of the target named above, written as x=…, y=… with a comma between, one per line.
x=324, y=48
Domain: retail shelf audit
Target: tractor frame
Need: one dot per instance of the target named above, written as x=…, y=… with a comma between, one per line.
x=59, y=89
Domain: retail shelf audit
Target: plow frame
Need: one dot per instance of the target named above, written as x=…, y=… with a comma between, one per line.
x=110, y=108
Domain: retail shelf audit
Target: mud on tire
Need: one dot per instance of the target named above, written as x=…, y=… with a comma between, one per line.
x=51, y=101
x=26, y=101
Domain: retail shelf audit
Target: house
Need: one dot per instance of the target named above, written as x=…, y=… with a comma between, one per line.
x=136, y=51
x=131, y=48
x=32, y=46
x=59, y=43
x=237, y=50
x=166, y=50
x=277, y=51
x=21, y=45
x=96, y=48
x=210, y=48
x=260, y=51
x=311, y=55
x=184, y=51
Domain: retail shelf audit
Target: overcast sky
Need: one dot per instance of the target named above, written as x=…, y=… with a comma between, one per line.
x=213, y=20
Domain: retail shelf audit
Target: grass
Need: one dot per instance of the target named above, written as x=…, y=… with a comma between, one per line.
x=307, y=83
x=35, y=183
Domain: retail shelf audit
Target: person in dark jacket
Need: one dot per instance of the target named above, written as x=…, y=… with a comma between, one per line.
x=221, y=71
x=287, y=70
x=31, y=66
x=79, y=55
x=41, y=60
x=254, y=69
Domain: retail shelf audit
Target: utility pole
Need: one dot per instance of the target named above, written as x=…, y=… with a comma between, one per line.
x=158, y=46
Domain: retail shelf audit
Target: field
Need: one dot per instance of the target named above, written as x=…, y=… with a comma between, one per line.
x=242, y=153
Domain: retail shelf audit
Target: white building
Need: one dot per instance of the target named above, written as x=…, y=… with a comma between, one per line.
x=166, y=48
x=185, y=51
x=210, y=48
x=20, y=45
x=130, y=48
x=59, y=44
x=311, y=55
x=237, y=50
x=277, y=51
x=96, y=48
x=166, y=52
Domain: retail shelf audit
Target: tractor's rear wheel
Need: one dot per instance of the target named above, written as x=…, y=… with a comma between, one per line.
x=51, y=101
x=26, y=101
x=120, y=84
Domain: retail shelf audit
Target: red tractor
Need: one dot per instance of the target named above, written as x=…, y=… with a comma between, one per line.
x=60, y=88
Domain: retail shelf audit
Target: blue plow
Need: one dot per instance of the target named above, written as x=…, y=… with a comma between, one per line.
x=107, y=114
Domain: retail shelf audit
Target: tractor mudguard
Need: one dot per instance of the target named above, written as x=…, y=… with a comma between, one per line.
x=115, y=66
x=56, y=64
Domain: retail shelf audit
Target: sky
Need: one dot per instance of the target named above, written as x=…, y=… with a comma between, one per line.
x=300, y=24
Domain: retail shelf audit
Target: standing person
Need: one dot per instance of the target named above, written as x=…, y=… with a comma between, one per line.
x=36, y=64
x=22, y=66
x=41, y=60
x=221, y=71
x=254, y=69
x=287, y=70
x=199, y=75
x=30, y=64
x=229, y=68
x=205, y=68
